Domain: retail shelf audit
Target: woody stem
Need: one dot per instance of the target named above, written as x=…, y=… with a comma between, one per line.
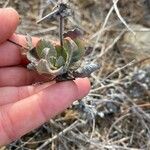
x=61, y=30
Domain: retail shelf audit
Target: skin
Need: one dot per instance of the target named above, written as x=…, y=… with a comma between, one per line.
x=24, y=106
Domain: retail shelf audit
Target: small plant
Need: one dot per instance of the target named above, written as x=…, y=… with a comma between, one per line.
x=61, y=62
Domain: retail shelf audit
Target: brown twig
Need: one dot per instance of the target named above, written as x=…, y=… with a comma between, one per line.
x=17, y=44
x=61, y=30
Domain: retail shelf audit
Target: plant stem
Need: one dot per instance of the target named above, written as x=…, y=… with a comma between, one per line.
x=61, y=30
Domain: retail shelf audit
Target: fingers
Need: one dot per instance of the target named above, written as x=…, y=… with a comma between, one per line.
x=14, y=94
x=8, y=24
x=23, y=116
x=10, y=54
x=19, y=76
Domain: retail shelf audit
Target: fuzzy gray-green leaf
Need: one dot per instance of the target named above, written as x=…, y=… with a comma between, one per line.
x=41, y=45
x=60, y=62
x=32, y=55
x=72, y=51
x=44, y=68
x=61, y=52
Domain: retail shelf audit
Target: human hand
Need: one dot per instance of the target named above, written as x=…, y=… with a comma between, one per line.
x=24, y=106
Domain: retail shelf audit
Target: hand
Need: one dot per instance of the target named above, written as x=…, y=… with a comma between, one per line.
x=24, y=106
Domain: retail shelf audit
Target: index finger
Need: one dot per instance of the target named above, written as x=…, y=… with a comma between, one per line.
x=10, y=53
x=18, y=118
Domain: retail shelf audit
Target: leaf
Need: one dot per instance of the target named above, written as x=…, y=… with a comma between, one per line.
x=60, y=62
x=31, y=66
x=86, y=70
x=61, y=52
x=81, y=46
x=29, y=41
x=52, y=62
x=32, y=55
x=73, y=34
x=44, y=68
x=45, y=53
x=73, y=54
x=76, y=35
x=41, y=45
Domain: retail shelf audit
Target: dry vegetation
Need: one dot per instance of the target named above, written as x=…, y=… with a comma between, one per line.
x=116, y=113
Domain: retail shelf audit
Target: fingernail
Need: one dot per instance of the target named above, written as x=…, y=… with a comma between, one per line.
x=83, y=85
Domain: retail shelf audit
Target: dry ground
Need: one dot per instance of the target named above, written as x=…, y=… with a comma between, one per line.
x=116, y=113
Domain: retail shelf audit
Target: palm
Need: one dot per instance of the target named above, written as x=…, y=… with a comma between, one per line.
x=24, y=106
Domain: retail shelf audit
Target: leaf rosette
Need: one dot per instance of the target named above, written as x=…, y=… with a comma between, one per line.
x=46, y=58
x=60, y=63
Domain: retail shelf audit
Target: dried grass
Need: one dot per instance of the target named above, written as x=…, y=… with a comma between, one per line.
x=116, y=113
